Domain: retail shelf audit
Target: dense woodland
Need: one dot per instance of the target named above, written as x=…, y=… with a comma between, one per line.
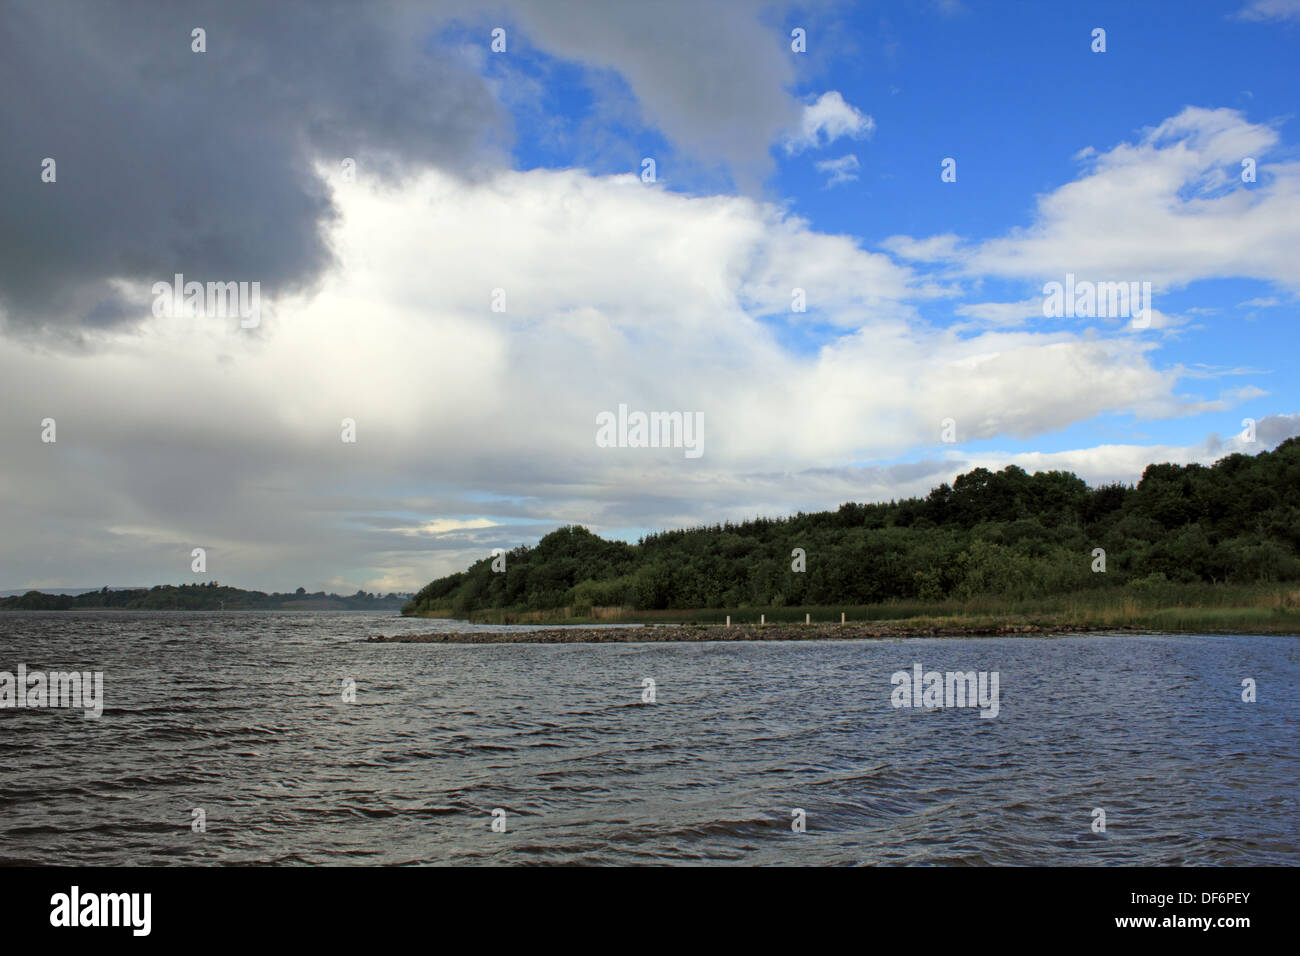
x=197, y=597
x=1007, y=534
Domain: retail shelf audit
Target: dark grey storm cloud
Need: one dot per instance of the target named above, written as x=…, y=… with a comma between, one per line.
x=170, y=160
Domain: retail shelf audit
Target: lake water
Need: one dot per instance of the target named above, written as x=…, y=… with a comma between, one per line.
x=241, y=715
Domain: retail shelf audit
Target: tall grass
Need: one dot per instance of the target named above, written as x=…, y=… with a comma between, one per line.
x=1201, y=608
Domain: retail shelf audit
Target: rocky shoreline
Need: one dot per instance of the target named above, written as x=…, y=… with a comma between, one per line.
x=740, y=632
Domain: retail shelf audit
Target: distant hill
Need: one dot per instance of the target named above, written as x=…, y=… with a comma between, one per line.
x=1007, y=534
x=198, y=597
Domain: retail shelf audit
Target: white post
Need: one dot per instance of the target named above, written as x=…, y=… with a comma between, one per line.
x=807, y=618
x=728, y=620
x=762, y=619
x=841, y=617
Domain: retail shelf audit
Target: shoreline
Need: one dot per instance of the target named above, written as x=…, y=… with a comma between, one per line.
x=698, y=633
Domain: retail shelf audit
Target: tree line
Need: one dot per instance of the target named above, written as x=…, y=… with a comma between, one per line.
x=1006, y=533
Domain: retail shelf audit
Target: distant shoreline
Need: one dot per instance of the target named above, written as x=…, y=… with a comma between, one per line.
x=199, y=597
x=688, y=633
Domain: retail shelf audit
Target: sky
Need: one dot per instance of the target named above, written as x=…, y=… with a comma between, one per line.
x=825, y=231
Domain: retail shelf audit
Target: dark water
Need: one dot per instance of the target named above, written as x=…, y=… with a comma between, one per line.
x=241, y=714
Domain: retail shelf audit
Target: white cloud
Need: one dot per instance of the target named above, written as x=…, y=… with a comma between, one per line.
x=1003, y=313
x=1270, y=10
x=842, y=170
x=445, y=525
x=1030, y=312
x=1170, y=209
x=615, y=292
x=932, y=249
x=826, y=120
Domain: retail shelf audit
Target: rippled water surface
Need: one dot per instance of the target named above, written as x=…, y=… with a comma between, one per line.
x=241, y=714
